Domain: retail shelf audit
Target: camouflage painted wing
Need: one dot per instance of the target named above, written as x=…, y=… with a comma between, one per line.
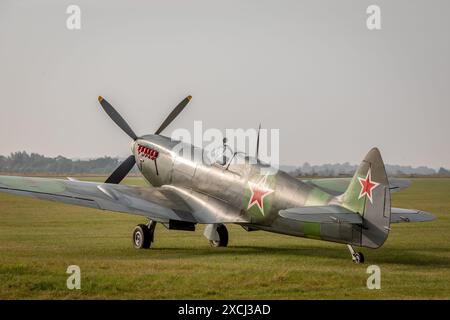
x=159, y=204
x=337, y=186
x=206, y=209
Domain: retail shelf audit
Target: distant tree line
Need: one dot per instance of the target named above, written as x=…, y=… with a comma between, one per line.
x=347, y=169
x=23, y=163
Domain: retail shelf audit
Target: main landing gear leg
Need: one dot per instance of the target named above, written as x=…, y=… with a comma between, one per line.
x=217, y=235
x=143, y=235
x=357, y=257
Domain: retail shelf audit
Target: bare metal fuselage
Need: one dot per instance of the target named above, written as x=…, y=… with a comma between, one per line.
x=229, y=187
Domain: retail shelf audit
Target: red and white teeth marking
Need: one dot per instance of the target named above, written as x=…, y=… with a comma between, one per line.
x=147, y=152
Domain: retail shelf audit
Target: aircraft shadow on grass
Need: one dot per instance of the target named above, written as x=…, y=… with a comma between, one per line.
x=412, y=257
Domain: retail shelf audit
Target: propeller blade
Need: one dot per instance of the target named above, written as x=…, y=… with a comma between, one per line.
x=121, y=172
x=117, y=118
x=175, y=112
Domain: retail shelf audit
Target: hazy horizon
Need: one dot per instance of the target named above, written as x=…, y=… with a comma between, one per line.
x=283, y=166
x=309, y=68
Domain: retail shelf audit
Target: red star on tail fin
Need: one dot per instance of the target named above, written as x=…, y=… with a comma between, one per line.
x=367, y=186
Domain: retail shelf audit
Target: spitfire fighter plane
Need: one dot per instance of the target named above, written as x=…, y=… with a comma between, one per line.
x=184, y=192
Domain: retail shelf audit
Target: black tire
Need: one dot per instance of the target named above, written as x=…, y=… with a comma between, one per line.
x=361, y=257
x=223, y=236
x=358, y=257
x=141, y=237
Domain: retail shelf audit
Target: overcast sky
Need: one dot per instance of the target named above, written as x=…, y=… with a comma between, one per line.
x=309, y=68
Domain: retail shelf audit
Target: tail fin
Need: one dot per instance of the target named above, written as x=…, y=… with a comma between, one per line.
x=368, y=194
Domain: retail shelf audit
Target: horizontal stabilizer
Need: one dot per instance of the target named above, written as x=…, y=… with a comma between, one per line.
x=398, y=184
x=322, y=214
x=337, y=186
x=333, y=213
x=410, y=215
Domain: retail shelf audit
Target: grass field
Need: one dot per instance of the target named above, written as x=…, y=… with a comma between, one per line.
x=39, y=240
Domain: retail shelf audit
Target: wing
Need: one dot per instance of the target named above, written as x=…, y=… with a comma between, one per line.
x=410, y=215
x=206, y=209
x=322, y=214
x=160, y=204
x=337, y=186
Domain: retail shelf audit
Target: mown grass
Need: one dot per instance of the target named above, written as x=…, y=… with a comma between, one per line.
x=39, y=240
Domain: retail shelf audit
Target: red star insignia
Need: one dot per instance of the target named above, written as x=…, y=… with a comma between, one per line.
x=259, y=192
x=367, y=186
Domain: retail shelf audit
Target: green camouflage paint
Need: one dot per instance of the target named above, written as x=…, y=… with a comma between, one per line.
x=337, y=185
x=351, y=198
x=318, y=197
x=311, y=230
x=33, y=184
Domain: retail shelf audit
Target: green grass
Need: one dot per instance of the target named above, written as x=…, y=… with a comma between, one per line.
x=39, y=240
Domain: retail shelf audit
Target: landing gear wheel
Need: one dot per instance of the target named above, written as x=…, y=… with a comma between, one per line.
x=142, y=237
x=223, y=237
x=358, y=257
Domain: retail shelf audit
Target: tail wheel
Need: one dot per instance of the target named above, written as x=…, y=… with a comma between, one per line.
x=142, y=237
x=223, y=237
x=358, y=257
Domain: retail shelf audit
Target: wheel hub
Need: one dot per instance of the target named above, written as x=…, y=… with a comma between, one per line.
x=137, y=238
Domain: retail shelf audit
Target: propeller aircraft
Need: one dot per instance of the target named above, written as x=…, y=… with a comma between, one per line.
x=183, y=193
